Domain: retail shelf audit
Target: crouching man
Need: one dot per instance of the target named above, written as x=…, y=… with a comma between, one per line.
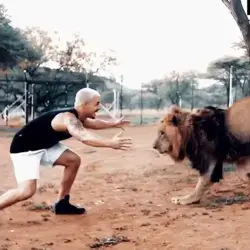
x=39, y=142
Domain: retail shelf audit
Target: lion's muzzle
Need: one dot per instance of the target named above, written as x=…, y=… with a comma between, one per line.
x=161, y=144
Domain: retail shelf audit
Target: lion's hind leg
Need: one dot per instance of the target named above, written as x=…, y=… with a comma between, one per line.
x=204, y=182
x=243, y=170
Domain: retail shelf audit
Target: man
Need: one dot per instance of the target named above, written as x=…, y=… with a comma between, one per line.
x=38, y=142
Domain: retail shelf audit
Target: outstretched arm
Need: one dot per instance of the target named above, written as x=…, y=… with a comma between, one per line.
x=102, y=124
x=76, y=129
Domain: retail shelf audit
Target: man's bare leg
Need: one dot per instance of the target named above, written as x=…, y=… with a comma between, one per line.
x=24, y=191
x=204, y=182
x=71, y=162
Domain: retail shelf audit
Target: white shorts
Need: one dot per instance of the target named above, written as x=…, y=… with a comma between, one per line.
x=27, y=164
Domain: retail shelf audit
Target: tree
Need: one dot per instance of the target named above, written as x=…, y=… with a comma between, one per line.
x=42, y=42
x=174, y=88
x=241, y=76
x=74, y=56
x=14, y=48
x=73, y=61
x=34, y=51
x=241, y=45
x=154, y=87
x=219, y=70
x=214, y=95
x=179, y=87
x=77, y=57
x=238, y=13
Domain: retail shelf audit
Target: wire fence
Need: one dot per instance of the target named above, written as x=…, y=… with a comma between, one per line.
x=145, y=106
x=141, y=106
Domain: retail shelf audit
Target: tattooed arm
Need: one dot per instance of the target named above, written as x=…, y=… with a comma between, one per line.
x=102, y=124
x=99, y=124
x=76, y=129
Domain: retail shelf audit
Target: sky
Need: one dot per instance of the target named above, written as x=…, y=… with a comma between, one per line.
x=151, y=37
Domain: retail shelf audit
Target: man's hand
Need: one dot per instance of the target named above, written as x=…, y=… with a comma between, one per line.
x=123, y=143
x=121, y=122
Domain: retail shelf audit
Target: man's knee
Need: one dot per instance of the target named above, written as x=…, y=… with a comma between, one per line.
x=69, y=159
x=74, y=161
x=26, y=190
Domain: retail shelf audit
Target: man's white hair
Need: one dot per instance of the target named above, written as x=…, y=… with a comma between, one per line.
x=84, y=96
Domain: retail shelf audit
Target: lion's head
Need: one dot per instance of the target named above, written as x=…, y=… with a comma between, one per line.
x=172, y=133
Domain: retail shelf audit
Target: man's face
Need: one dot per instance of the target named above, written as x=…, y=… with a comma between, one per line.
x=92, y=107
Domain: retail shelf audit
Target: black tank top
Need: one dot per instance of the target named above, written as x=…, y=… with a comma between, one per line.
x=39, y=134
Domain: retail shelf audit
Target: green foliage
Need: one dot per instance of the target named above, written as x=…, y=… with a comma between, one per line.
x=219, y=70
x=32, y=48
x=172, y=89
x=14, y=48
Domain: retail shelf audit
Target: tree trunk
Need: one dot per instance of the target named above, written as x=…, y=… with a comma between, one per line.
x=228, y=94
x=237, y=11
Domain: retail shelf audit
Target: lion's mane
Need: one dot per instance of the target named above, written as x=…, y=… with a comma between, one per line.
x=206, y=138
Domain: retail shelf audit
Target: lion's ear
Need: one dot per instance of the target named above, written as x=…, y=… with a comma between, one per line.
x=175, y=109
x=173, y=120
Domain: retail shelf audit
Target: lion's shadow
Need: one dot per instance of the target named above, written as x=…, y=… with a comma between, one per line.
x=221, y=201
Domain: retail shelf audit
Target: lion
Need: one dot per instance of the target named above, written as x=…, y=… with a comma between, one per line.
x=208, y=138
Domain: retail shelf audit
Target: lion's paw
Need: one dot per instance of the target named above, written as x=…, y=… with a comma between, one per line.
x=185, y=200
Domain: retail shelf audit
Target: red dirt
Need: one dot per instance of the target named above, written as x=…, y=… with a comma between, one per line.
x=126, y=194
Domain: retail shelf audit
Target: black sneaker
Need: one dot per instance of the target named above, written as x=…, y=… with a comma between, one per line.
x=64, y=207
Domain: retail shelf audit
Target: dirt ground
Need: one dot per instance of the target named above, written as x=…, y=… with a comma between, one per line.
x=128, y=198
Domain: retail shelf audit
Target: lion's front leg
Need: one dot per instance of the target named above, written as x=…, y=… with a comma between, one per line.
x=201, y=187
x=204, y=182
x=186, y=200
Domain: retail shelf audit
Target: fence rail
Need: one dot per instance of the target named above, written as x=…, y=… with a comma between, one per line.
x=142, y=106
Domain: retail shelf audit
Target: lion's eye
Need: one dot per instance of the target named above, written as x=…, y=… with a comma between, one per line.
x=162, y=133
